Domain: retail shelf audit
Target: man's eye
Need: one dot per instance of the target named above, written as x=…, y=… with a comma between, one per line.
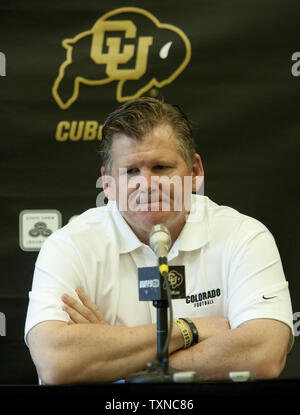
x=132, y=171
x=161, y=167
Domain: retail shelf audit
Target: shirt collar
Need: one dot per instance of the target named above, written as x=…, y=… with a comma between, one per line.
x=193, y=236
x=128, y=241
x=195, y=232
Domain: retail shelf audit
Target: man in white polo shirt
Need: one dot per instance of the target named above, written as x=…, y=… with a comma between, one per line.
x=85, y=322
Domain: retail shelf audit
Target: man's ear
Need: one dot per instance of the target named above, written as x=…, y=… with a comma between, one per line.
x=109, y=185
x=197, y=173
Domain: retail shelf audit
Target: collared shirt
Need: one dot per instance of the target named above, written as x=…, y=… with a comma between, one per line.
x=232, y=267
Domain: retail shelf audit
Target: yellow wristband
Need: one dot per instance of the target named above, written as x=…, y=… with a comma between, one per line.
x=185, y=333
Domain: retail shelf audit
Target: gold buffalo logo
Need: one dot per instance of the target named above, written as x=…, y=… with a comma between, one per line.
x=127, y=45
x=175, y=280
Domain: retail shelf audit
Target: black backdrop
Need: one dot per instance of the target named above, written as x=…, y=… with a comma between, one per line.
x=238, y=87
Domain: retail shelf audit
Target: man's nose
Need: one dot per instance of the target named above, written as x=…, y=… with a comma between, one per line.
x=146, y=181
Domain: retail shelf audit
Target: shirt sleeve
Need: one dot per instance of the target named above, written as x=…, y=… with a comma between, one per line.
x=57, y=271
x=257, y=286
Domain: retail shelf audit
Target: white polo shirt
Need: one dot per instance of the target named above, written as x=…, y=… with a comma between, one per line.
x=232, y=266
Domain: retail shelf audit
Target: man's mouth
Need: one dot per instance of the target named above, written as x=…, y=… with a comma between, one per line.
x=153, y=206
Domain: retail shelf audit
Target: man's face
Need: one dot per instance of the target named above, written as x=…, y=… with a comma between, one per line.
x=150, y=185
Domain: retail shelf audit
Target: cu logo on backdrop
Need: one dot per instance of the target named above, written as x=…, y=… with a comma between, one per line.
x=128, y=46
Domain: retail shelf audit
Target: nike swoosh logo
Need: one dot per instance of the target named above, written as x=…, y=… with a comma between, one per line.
x=269, y=298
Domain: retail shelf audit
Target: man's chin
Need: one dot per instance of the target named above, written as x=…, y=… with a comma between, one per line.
x=141, y=222
x=150, y=218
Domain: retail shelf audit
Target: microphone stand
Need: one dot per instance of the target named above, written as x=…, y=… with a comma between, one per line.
x=160, y=371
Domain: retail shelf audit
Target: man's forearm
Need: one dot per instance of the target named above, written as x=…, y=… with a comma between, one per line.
x=98, y=353
x=104, y=353
x=248, y=348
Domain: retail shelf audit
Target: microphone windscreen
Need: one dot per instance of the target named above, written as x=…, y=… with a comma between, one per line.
x=160, y=239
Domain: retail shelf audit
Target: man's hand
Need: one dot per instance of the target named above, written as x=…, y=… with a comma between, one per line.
x=84, y=312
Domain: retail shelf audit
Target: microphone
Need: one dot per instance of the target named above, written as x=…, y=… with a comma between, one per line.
x=160, y=241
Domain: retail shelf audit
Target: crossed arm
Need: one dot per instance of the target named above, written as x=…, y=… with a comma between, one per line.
x=88, y=349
